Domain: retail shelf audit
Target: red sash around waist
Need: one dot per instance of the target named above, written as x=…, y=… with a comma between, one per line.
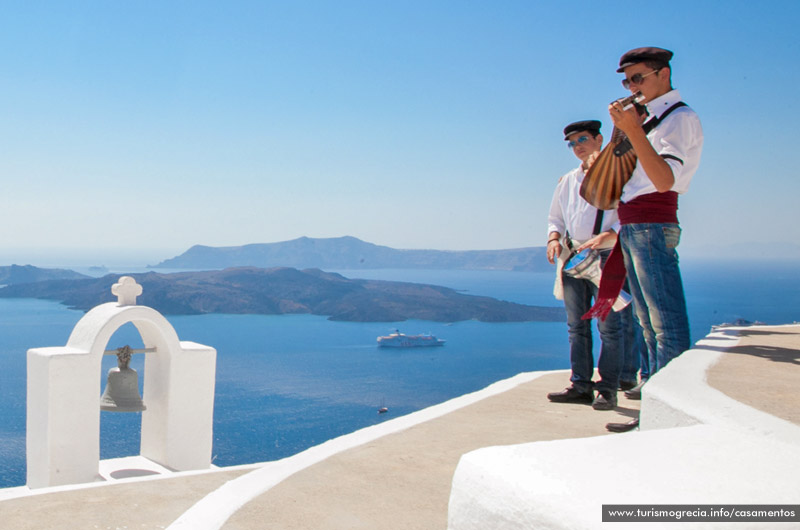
x=649, y=208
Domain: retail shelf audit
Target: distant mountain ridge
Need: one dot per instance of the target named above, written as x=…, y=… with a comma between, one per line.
x=14, y=274
x=281, y=290
x=352, y=253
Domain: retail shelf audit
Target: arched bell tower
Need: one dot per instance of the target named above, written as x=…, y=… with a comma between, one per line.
x=63, y=423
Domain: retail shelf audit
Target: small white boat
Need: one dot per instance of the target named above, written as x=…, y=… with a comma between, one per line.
x=399, y=340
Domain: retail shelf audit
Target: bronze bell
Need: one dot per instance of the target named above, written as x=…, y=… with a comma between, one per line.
x=122, y=386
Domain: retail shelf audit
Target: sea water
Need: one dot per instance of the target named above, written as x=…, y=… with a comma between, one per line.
x=288, y=382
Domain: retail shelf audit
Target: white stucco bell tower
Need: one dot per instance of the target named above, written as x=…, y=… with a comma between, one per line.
x=63, y=422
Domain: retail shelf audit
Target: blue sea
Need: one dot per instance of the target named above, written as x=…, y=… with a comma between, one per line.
x=286, y=383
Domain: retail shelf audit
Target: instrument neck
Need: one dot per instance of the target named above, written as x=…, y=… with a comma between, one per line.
x=617, y=136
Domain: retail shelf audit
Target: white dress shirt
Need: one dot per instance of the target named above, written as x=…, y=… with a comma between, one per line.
x=680, y=135
x=569, y=212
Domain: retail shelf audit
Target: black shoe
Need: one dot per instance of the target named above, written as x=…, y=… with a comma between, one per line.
x=627, y=385
x=605, y=400
x=623, y=427
x=635, y=393
x=571, y=395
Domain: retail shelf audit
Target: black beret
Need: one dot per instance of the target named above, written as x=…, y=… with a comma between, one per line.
x=578, y=126
x=640, y=55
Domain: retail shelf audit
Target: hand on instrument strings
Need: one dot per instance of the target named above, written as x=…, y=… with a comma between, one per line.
x=628, y=121
x=602, y=240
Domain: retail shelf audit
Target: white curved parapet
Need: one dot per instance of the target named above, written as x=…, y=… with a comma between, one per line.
x=564, y=484
x=696, y=446
x=216, y=508
x=679, y=395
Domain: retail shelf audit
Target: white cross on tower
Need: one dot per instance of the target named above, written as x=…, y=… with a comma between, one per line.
x=126, y=290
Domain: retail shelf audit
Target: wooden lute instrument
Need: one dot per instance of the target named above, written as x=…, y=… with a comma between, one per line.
x=602, y=185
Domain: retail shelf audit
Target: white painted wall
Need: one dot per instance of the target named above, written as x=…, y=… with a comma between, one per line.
x=63, y=423
x=696, y=446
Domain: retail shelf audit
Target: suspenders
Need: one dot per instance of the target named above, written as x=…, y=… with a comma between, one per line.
x=598, y=224
x=625, y=145
x=653, y=122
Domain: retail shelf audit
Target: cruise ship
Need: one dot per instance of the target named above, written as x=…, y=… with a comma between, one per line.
x=399, y=340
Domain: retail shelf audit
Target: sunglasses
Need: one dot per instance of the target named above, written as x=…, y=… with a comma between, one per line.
x=581, y=140
x=637, y=79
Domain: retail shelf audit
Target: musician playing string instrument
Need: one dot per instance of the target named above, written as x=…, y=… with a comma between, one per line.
x=572, y=225
x=667, y=158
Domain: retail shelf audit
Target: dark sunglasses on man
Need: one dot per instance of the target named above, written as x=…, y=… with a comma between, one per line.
x=636, y=79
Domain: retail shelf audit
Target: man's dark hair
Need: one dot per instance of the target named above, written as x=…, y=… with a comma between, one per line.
x=658, y=65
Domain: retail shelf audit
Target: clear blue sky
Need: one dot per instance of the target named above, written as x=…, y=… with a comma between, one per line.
x=138, y=129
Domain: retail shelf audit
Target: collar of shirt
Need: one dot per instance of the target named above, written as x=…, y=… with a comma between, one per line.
x=658, y=106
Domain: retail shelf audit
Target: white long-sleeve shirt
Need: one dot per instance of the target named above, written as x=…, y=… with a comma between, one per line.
x=569, y=212
x=679, y=136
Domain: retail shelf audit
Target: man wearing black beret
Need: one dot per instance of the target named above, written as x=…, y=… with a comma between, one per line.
x=574, y=224
x=668, y=148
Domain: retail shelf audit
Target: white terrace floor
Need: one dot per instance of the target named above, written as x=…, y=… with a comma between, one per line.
x=396, y=475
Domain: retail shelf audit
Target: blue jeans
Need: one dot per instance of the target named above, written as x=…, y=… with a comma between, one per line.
x=655, y=281
x=634, y=351
x=577, y=301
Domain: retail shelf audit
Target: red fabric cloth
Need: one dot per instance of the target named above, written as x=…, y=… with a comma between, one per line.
x=650, y=208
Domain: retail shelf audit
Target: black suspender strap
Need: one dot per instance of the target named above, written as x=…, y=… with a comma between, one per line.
x=598, y=225
x=625, y=145
x=653, y=122
x=598, y=222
